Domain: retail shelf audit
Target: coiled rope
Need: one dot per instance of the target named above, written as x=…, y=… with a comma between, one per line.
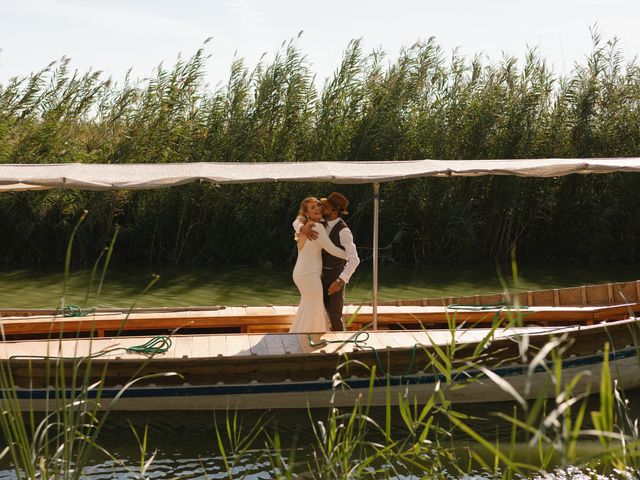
x=75, y=311
x=159, y=344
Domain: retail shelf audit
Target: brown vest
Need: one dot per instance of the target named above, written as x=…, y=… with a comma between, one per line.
x=328, y=260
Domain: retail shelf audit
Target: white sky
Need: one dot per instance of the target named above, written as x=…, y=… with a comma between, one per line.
x=115, y=35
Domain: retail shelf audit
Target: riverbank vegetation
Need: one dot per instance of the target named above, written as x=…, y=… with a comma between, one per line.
x=425, y=103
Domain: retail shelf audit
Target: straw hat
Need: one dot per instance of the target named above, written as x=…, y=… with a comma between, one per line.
x=337, y=201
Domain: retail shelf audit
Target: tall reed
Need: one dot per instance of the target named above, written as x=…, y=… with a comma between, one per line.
x=422, y=103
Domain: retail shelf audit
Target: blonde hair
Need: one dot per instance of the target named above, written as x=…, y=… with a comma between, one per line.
x=302, y=212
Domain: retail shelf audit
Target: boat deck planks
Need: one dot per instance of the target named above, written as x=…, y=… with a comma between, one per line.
x=260, y=345
x=202, y=347
x=304, y=340
x=217, y=345
x=236, y=345
x=183, y=346
x=274, y=344
x=291, y=343
x=388, y=339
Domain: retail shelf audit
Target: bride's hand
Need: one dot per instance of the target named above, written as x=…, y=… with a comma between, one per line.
x=307, y=230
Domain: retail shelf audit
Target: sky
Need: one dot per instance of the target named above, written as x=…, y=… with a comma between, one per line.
x=114, y=36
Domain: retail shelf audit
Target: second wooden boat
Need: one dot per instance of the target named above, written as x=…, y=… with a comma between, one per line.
x=584, y=305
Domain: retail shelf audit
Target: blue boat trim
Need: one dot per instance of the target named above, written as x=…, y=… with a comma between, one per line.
x=317, y=386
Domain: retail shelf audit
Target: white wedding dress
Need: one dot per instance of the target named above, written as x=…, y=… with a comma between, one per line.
x=311, y=315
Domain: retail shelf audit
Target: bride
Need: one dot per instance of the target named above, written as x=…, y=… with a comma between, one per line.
x=311, y=315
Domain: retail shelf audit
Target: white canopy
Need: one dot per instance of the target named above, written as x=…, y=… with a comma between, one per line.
x=93, y=176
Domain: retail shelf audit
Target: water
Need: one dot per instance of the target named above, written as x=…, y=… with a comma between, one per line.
x=243, y=285
x=185, y=444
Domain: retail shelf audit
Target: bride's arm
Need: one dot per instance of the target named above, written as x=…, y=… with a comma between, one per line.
x=304, y=229
x=327, y=244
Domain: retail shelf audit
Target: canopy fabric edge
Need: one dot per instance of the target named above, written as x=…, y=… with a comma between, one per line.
x=138, y=176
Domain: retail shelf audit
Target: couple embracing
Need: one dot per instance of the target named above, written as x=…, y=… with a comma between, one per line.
x=327, y=257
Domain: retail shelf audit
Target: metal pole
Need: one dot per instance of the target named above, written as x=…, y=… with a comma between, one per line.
x=374, y=293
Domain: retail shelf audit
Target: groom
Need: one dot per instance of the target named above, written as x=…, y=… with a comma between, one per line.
x=336, y=272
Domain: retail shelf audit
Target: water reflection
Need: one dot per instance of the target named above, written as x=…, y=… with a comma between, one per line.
x=246, y=285
x=185, y=443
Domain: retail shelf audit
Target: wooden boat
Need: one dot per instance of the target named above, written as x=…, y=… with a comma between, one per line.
x=562, y=306
x=246, y=371
x=234, y=368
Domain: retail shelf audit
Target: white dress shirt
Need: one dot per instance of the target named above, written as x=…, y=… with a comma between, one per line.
x=346, y=239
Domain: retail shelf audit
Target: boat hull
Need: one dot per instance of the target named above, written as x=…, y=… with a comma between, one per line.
x=471, y=385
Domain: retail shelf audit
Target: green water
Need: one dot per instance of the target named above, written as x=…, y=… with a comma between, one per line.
x=243, y=285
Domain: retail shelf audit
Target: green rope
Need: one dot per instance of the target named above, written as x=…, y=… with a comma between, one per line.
x=361, y=343
x=76, y=311
x=159, y=344
x=480, y=308
x=154, y=346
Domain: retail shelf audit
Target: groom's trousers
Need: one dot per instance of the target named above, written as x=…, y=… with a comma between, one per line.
x=333, y=303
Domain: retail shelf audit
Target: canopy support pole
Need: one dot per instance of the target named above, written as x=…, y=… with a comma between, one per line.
x=374, y=292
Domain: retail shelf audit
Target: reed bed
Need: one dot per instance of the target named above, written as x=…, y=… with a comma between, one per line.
x=422, y=103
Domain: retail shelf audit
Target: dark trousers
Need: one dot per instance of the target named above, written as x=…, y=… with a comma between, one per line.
x=333, y=303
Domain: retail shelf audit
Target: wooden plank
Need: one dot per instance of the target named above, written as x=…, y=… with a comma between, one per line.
x=375, y=341
x=624, y=292
x=401, y=339
x=258, y=344
x=291, y=343
x=238, y=345
x=274, y=344
x=305, y=340
x=28, y=349
x=183, y=346
x=542, y=298
x=237, y=312
x=285, y=310
x=260, y=311
x=428, y=337
x=597, y=295
x=200, y=346
x=388, y=339
x=569, y=296
x=266, y=328
x=530, y=298
x=77, y=348
x=218, y=345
